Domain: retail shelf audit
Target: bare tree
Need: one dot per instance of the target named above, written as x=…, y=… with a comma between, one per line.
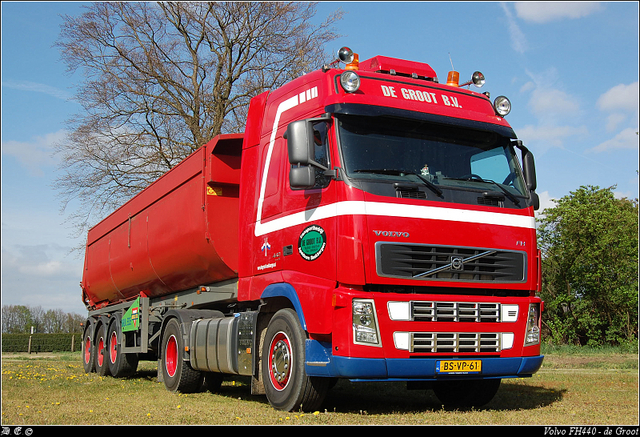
x=18, y=319
x=53, y=321
x=164, y=78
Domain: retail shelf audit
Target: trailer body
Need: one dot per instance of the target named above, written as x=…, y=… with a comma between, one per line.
x=355, y=230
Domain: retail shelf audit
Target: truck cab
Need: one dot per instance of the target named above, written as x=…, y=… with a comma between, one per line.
x=393, y=212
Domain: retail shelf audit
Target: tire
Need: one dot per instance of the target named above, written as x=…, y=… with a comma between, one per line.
x=286, y=383
x=177, y=373
x=466, y=394
x=102, y=358
x=120, y=365
x=88, y=349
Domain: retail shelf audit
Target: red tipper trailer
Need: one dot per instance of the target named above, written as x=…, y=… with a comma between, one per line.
x=370, y=224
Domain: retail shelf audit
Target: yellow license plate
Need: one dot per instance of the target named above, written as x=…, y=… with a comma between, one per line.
x=459, y=366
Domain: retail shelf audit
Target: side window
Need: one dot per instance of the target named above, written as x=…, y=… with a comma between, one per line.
x=320, y=136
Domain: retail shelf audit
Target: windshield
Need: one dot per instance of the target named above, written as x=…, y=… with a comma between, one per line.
x=438, y=156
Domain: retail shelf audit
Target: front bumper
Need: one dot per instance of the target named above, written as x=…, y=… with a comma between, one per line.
x=321, y=362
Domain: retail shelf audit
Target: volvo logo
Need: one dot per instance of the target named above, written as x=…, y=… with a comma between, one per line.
x=457, y=263
x=392, y=234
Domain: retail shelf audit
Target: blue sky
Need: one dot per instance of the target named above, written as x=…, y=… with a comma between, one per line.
x=570, y=70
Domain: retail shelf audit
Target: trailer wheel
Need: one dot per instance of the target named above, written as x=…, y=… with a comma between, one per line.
x=88, y=350
x=466, y=394
x=102, y=366
x=177, y=374
x=286, y=383
x=120, y=364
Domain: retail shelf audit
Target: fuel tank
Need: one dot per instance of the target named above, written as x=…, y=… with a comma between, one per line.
x=179, y=233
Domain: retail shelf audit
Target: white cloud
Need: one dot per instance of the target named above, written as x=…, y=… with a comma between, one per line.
x=527, y=87
x=550, y=102
x=34, y=154
x=518, y=40
x=42, y=261
x=626, y=140
x=614, y=120
x=620, y=98
x=546, y=201
x=544, y=12
x=41, y=274
x=547, y=136
x=24, y=85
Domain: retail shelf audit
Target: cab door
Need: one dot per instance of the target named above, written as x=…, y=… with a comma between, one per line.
x=309, y=243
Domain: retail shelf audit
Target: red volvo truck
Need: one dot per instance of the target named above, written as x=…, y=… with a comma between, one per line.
x=371, y=224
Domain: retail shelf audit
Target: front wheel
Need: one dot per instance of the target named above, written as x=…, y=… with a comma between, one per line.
x=466, y=394
x=286, y=383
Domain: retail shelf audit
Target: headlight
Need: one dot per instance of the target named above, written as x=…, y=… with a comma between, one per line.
x=502, y=106
x=350, y=81
x=365, y=325
x=532, y=336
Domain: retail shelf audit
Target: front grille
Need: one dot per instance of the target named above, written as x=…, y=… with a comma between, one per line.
x=454, y=342
x=448, y=263
x=422, y=311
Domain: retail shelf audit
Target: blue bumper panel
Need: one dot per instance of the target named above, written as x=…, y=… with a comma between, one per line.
x=320, y=362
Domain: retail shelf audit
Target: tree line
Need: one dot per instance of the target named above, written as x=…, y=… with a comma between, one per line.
x=18, y=319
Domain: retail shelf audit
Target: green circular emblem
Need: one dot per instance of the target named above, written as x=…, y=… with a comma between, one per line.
x=312, y=242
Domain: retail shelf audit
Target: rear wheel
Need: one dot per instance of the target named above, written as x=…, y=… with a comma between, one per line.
x=466, y=394
x=120, y=364
x=102, y=366
x=286, y=383
x=176, y=373
x=88, y=350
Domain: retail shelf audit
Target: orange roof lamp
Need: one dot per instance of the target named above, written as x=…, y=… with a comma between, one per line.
x=477, y=79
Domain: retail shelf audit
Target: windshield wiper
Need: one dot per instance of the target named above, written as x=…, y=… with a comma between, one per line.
x=477, y=178
x=403, y=173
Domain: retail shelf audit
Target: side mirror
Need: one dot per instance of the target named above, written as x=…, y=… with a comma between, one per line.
x=301, y=148
x=302, y=177
x=299, y=136
x=529, y=170
x=528, y=166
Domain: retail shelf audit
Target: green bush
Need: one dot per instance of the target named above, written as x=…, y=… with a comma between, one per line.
x=40, y=342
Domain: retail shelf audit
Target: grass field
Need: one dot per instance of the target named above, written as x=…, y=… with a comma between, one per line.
x=577, y=388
